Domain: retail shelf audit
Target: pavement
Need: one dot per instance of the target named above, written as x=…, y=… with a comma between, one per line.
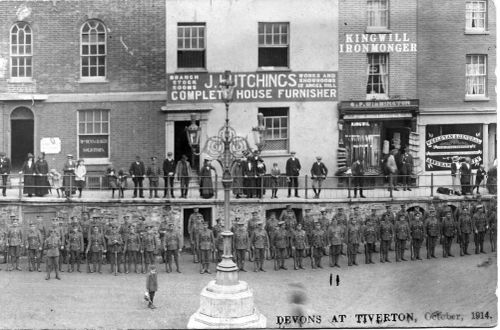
x=433, y=291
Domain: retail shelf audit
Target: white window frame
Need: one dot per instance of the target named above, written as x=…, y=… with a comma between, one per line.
x=384, y=76
x=476, y=74
x=93, y=161
x=94, y=31
x=474, y=9
x=270, y=121
x=270, y=38
x=21, y=50
x=192, y=42
x=375, y=9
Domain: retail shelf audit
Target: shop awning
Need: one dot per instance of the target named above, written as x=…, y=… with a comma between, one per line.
x=378, y=109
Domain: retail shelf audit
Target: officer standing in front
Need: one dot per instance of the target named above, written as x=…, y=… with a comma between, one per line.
x=353, y=237
x=448, y=229
x=432, y=230
x=402, y=232
x=368, y=238
x=34, y=244
x=205, y=243
x=386, y=233
x=259, y=241
x=52, y=245
x=172, y=245
x=97, y=246
x=417, y=235
x=318, y=244
x=74, y=246
x=280, y=243
x=300, y=243
x=14, y=243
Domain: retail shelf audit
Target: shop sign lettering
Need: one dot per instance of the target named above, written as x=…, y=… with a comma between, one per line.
x=93, y=146
x=445, y=141
x=254, y=87
x=377, y=43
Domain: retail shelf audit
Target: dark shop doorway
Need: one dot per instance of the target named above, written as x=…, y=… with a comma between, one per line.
x=22, y=126
x=181, y=145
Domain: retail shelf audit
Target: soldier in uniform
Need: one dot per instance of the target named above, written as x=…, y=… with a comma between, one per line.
x=288, y=216
x=386, y=232
x=4, y=171
x=392, y=219
x=14, y=243
x=280, y=242
x=259, y=241
x=241, y=243
x=52, y=245
x=63, y=231
x=402, y=212
x=369, y=238
x=219, y=241
x=3, y=245
x=318, y=244
x=205, y=243
x=417, y=235
x=172, y=245
x=402, y=233
x=492, y=221
x=271, y=227
x=150, y=245
x=480, y=225
x=341, y=218
x=335, y=237
x=323, y=219
x=74, y=246
x=34, y=245
x=97, y=247
x=132, y=249
x=432, y=232
x=115, y=247
x=448, y=229
x=376, y=222
x=353, y=237
x=464, y=230
x=300, y=243
x=359, y=221
x=308, y=222
x=251, y=227
x=162, y=229
x=195, y=225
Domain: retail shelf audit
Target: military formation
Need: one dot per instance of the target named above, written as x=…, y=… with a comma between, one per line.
x=95, y=240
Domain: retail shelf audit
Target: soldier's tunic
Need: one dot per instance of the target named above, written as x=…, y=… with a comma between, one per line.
x=417, y=236
x=260, y=242
x=196, y=229
x=448, y=229
x=14, y=242
x=374, y=219
x=335, y=236
x=280, y=244
x=194, y=218
x=115, y=248
x=353, y=239
x=34, y=245
x=205, y=241
x=171, y=244
x=74, y=246
x=132, y=248
x=432, y=231
x=324, y=222
x=149, y=246
x=308, y=224
x=97, y=245
x=402, y=233
x=241, y=243
x=480, y=225
x=52, y=245
x=369, y=237
x=386, y=232
x=318, y=244
x=300, y=242
x=465, y=230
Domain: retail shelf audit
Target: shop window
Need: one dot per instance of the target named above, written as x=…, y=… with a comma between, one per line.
x=21, y=45
x=378, y=13
x=93, y=133
x=377, y=72
x=276, y=120
x=475, y=16
x=363, y=139
x=273, y=44
x=191, y=45
x=93, y=50
x=475, y=75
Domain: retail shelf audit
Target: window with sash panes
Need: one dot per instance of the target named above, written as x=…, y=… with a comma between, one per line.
x=274, y=41
x=475, y=15
x=378, y=14
x=93, y=133
x=191, y=45
x=276, y=121
x=475, y=75
x=93, y=50
x=21, y=47
x=377, y=72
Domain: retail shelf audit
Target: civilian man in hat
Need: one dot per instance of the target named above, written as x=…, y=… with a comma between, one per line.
x=34, y=245
x=259, y=241
x=138, y=173
x=150, y=245
x=168, y=175
x=241, y=243
x=455, y=175
x=153, y=172
x=184, y=174
x=432, y=230
x=14, y=243
x=319, y=173
x=132, y=249
x=358, y=172
x=115, y=247
x=69, y=183
x=406, y=168
x=292, y=172
x=300, y=243
x=172, y=245
x=52, y=245
x=5, y=167
x=205, y=243
x=335, y=237
x=97, y=247
x=480, y=226
x=280, y=243
x=74, y=246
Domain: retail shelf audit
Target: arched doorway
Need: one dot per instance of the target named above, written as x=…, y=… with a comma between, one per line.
x=22, y=135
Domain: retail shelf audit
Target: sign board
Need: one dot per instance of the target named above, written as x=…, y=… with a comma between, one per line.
x=378, y=43
x=93, y=146
x=50, y=145
x=379, y=104
x=254, y=87
x=442, y=142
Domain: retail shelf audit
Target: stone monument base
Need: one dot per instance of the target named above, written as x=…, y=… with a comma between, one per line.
x=226, y=307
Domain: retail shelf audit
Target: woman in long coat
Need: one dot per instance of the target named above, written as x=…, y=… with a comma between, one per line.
x=237, y=174
x=206, y=185
x=28, y=170
x=69, y=184
x=41, y=178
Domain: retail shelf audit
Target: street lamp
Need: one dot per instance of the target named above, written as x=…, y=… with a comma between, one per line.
x=226, y=302
x=259, y=132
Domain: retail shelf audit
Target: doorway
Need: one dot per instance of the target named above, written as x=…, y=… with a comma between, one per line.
x=396, y=132
x=22, y=126
x=205, y=211
x=181, y=145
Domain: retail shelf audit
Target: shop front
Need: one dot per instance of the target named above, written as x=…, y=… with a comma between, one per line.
x=372, y=129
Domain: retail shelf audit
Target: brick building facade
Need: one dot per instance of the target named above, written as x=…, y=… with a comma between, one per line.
x=82, y=77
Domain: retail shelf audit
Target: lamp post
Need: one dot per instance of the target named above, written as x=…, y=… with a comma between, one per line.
x=226, y=301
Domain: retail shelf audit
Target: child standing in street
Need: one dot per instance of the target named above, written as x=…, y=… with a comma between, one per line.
x=152, y=285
